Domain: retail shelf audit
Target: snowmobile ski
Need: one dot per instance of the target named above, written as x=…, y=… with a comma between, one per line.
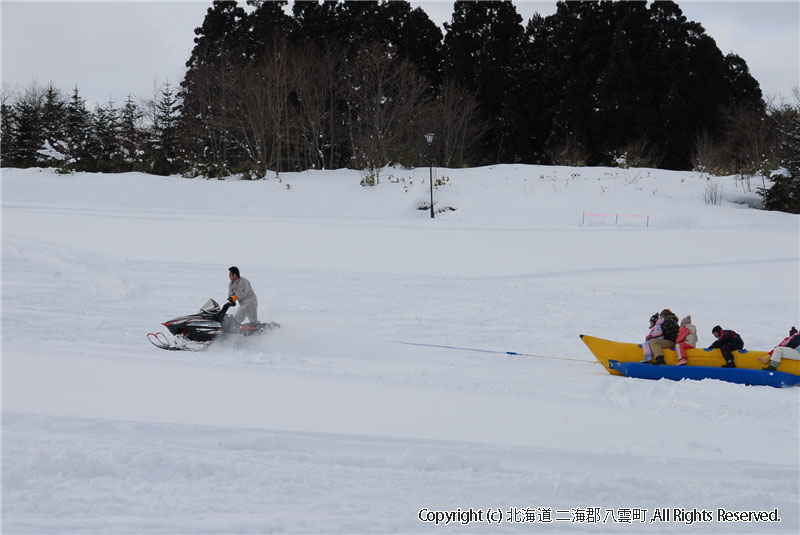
x=161, y=341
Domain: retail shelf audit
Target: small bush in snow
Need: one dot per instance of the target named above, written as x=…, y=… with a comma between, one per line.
x=638, y=154
x=248, y=171
x=570, y=153
x=441, y=181
x=712, y=194
x=424, y=206
x=370, y=178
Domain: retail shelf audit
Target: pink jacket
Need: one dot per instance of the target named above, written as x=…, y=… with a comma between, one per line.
x=655, y=333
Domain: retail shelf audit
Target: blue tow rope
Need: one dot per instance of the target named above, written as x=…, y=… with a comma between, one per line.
x=512, y=353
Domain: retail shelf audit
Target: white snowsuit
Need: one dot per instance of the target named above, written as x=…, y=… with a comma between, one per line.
x=245, y=299
x=781, y=352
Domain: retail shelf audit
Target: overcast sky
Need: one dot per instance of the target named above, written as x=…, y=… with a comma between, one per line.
x=111, y=49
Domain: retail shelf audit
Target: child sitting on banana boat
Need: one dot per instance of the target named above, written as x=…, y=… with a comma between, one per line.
x=727, y=341
x=653, y=334
x=787, y=349
x=669, y=333
x=687, y=339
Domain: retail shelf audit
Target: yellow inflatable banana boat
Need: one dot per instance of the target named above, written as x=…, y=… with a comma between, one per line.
x=604, y=350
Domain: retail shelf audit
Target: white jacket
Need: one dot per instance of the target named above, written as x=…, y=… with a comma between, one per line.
x=243, y=291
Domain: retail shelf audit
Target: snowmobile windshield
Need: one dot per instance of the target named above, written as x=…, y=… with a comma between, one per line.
x=211, y=307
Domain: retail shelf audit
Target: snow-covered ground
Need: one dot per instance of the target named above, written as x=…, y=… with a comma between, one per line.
x=336, y=423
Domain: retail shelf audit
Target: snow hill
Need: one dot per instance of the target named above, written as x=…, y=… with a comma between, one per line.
x=336, y=423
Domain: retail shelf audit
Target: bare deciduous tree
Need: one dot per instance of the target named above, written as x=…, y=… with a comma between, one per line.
x=388, y=97
x=748, y=139
x=258, y=114
x=705, y=153
x=311, y=81
x=457, y=123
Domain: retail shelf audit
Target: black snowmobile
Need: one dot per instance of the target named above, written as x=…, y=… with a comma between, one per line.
x=197, y=331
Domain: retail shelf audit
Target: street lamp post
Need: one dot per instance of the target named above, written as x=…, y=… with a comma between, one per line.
x=429, y=138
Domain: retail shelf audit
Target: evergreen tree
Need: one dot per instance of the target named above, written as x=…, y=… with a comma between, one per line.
x=8, y=127
x=609, y=75
x=78, y=134
x=353, y=26
x=483, y=48
x=207, y=88
x=784, y=194
x=220, y=38
x=742, y=88
x=54, y=148
x=267, y=24
x=106, y=139
x=316, y=22
x=29, y=131
x=130, y=136
x=695, y=90
x=164, y=143
x=357, y=25
x=533, y=132
x=566, y=60
x=566, y=53
x=414, y=36
x=624, y=103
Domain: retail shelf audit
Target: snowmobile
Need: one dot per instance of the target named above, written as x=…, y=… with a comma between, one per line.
x=197, y=331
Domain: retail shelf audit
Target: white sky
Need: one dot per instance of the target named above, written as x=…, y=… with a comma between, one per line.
x=113, y=48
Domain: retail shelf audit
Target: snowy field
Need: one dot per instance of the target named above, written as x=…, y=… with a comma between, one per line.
x=336, y=423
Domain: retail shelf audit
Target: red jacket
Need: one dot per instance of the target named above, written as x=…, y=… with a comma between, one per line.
x=687, y=334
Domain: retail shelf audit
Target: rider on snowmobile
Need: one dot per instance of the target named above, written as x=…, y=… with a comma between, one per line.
x=240, y=291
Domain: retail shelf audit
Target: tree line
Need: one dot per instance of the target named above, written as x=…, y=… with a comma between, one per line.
x=41, y=127
x=358, y=84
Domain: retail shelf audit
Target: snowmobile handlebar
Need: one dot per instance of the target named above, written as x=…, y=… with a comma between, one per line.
x=221, y=314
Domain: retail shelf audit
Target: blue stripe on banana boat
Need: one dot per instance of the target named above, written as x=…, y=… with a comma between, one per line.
x=742, y=376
